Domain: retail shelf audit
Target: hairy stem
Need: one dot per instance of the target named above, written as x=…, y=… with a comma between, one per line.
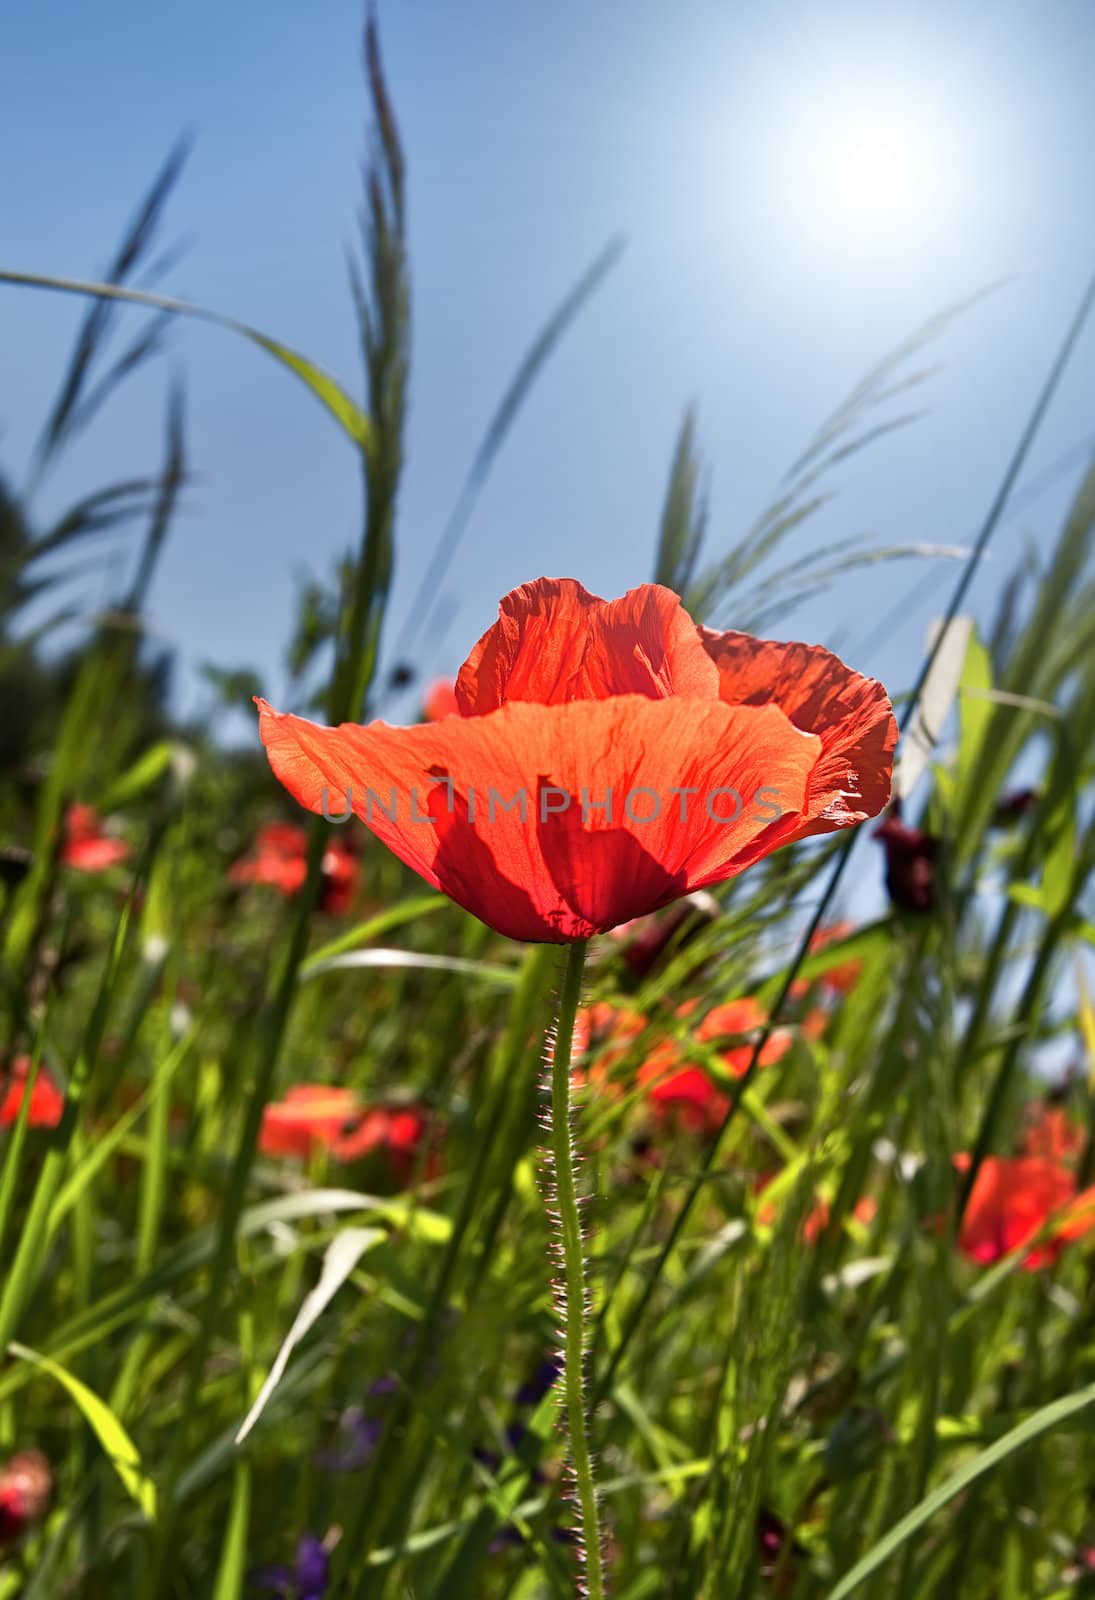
x=571, y=1292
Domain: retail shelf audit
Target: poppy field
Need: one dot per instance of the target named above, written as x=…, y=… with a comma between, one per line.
x=493, y=1156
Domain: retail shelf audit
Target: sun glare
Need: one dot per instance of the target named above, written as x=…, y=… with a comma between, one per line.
x=878, y=175
x=876, y=169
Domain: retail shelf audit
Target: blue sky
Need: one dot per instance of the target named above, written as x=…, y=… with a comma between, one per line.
x=764, y=273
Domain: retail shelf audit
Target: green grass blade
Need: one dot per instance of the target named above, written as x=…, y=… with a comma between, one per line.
x=119, y=1447
x=330, y=394
x=1042, y=1421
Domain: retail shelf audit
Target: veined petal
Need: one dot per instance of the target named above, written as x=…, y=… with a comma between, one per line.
x=506, y=813
x=851, y=715
x=554, y=642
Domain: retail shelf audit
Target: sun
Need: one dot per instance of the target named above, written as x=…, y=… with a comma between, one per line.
x=872, y=174
x=887, y=170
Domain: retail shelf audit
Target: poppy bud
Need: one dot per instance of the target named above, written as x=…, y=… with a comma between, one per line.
x=1013, y=805
x=911, y=857
x=647, y=939
x=776, y=1548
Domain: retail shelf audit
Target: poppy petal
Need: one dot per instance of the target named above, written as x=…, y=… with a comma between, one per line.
x=554, y=642
x=556, y=865
x=1012, y=1200
x=850, y=713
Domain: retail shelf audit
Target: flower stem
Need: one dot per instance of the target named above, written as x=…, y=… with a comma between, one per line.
x=573, y=1297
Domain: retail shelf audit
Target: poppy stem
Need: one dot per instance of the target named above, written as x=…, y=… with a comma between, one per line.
x=571, y=1293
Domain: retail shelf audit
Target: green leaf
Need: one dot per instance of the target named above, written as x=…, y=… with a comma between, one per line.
x=1060, y=855
x=684, y=515
x=117, y=1444
x=140, y=776
x=341, y=1257
x=330, y=394
x=1037, y=1423
x=410, y=910
x=131, y=1300
x=104, y=1145
x=870, y=941
x=486, y=971
x=233, y=1556
x=975, y=707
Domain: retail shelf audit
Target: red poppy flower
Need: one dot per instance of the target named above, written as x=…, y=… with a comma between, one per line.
x=280, y=859
x=25, y=1486
x=733, y=1020
x=311, y=1117
x=1012, y=1200
x=717, y=749
x=440, y=700
x=86, y=847
x=601, y=1023
x=400, y=1131
x=338, y=883
x=47, y=1103
x=605, y=1032
x=316, y=1117
x=673, y=1084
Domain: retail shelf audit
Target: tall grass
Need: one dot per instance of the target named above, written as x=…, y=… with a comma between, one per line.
x=799, y=1382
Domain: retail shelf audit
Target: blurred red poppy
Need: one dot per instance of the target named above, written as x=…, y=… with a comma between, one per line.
x=440, y=700
x=819, y=1217
x=86, y=847
x=865, y=1210
x=280, y=859
x=315, y=1117
x=1012, y=1200
x=674, y=1085
x=1050, y=1132
x=311, y=1117
x=814, y=1024
x=600, y=1024
x=398, y=1130
x=687, y=1089
x=339, y=876
x=25, y=1487
x=47, y=1103
x=507, y=807
x=740, y=1019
